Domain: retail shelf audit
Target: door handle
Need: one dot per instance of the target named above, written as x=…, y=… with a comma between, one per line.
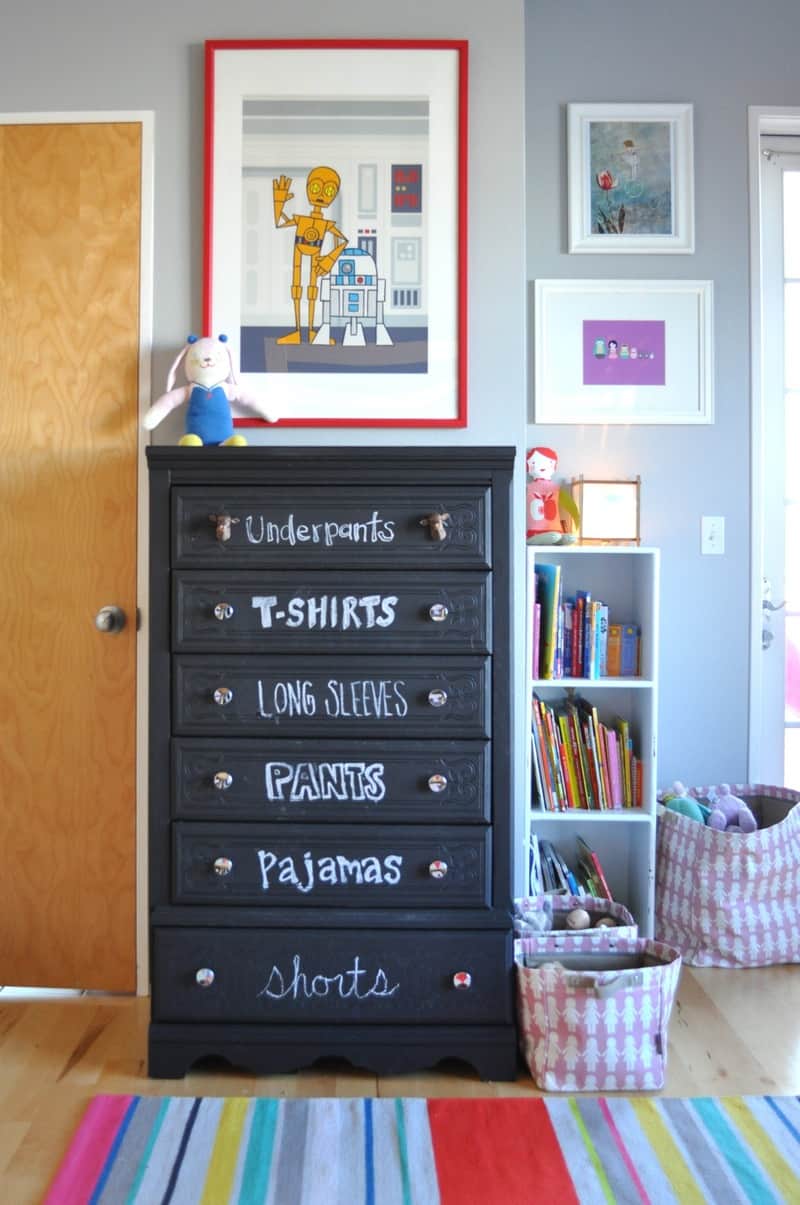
x=110, y=619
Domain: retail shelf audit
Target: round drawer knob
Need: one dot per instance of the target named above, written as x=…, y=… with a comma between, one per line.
x=438, y=612
x=437, y=697
x=204, y=977
x=223, y=610
x=462, y=980
x=223, y=695
x=223, y=780
x=437, y=783
x=437, y=869
x=223, y=866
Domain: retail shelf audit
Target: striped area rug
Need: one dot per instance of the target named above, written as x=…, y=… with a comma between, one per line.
x=498, y=1151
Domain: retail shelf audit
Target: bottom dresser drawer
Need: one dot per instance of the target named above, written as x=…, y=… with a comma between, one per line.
x=345, y=975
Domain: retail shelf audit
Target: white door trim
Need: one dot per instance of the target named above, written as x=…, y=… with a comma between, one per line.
x=144, y=118
x=761, y=120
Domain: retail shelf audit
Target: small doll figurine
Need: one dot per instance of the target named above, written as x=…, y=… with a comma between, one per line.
x=545, y=501
x=211, y=388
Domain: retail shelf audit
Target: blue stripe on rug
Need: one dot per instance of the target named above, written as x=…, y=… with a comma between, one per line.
x=369, y=1155
x=258, y=1162
x=730, y=1146
x=176, y=1166
x=773, y=1104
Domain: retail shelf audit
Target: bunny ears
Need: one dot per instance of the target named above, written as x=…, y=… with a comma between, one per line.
x=190, y=341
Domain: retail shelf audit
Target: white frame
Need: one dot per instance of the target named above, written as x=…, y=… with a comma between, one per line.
x=686, y=307
x=582, y=238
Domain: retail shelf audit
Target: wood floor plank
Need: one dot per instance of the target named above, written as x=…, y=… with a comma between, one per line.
x=731, y=1033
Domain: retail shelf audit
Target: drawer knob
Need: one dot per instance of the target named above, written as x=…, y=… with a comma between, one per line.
x=223, y=695
x=437, y=697
x=222, y=526
x=223, y=780
x=223, y=866
x=462, y=980
x=204, y=977
x=437, y=783
x=437, y=869
x=435, y=523
x=223, y=610
x=438, y=612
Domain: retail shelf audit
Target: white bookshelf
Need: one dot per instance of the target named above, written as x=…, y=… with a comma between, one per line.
x=627, y=580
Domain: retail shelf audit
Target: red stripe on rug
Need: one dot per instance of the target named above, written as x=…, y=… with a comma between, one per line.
x=86, y=1157
x=499, y=1151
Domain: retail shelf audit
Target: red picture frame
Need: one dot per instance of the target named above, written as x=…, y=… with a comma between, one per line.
x=346, y=307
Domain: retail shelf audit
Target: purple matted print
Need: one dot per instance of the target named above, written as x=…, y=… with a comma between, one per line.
x=618, y=352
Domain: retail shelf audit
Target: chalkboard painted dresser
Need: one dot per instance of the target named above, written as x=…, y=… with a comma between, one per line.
x=330, y=785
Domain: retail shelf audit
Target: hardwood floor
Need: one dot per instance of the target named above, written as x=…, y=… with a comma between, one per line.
x=731, y=1033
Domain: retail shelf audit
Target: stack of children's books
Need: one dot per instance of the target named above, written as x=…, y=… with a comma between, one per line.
x=580, y=762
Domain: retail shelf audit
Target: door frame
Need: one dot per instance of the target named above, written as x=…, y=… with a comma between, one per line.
x=145, y=119
x=762, y=120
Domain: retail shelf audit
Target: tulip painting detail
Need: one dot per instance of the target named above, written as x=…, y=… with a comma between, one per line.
x=611, y=219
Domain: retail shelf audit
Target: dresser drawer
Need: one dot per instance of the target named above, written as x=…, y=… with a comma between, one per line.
x=346, y=866
x=299, y=611
x=345, y=975
x=331, y=695
x=430, y=782
x=324, y=526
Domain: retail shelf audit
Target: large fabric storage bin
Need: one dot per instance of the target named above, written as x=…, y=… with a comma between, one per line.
x=596, y=1021
x=732, y=899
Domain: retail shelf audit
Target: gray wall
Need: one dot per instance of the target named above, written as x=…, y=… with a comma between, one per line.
x=89, y=55
x=721, y=55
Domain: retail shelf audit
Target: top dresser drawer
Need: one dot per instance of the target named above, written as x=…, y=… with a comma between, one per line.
x=323, y=526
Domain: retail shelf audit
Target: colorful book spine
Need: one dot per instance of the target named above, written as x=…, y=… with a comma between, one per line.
x=536, y=639
x=614, y=650
x=629, y=651
x=602, y=641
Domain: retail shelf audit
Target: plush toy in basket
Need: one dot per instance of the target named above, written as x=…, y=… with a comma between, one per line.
x=572, y=922
x=211, y=388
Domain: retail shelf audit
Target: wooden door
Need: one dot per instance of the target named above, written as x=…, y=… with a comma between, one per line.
x=70, y=205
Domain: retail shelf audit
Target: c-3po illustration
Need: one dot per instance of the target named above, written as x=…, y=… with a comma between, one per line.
x=322, y=187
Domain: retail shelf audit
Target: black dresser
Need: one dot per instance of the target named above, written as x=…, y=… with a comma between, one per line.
x=330, y=757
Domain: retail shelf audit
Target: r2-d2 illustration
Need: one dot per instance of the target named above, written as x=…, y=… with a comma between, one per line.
x=353, y=291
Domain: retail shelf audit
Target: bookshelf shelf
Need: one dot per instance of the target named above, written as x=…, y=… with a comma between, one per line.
x=626, y=580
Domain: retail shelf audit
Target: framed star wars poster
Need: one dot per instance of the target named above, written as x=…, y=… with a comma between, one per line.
x=335, y=228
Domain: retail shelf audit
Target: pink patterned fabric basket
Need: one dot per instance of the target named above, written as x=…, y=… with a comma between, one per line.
x=529, y=908
x=732, y=899
x=596, y=1022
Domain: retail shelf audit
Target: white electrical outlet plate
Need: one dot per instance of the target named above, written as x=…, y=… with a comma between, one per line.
x=712, y=535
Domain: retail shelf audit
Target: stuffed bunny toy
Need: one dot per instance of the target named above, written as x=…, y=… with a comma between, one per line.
x=211, y=388
x=729, y=814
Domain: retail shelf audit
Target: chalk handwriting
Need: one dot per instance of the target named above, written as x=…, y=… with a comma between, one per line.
x=345, y=984
x=374, y=530
x=363, y=700
x=329, y=611
x=337, y=871
x=320, y=782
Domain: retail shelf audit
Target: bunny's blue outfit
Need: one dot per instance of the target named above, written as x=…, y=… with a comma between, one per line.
x=209, y=414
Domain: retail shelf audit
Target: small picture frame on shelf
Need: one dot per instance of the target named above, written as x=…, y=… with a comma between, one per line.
x=631, y=178
x=609, y=510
